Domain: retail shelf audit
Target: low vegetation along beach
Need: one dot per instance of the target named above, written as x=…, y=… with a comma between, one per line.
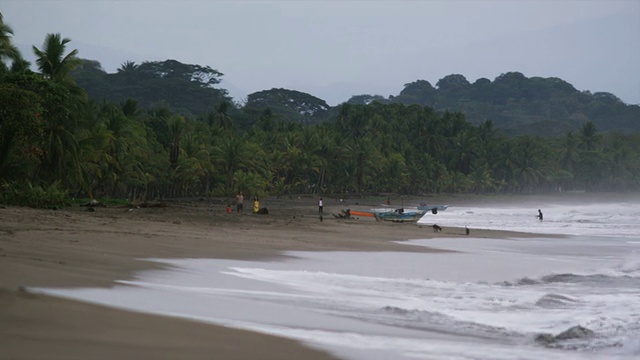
x=73, y=247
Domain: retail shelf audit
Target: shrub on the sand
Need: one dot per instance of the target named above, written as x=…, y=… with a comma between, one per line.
x=36, y=196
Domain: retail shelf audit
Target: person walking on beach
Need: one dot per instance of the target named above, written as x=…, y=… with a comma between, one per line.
x=539, y=215
x=239, y=202
x=320, y=207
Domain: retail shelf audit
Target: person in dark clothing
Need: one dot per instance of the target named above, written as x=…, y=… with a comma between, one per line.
x=539, y=215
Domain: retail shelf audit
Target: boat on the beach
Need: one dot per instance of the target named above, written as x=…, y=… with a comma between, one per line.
x=388, y=213
x=385, y=214
x=400, y=215
x=361, y=213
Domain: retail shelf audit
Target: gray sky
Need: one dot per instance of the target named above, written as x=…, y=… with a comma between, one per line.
x=335, y=49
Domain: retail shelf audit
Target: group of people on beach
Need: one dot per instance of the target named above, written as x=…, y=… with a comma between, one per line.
x=240, y=204
x=239, y=200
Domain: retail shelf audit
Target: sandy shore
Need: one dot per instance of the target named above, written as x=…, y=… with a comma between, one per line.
x=74, y=247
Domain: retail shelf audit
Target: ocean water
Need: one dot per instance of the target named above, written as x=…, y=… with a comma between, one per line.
x=490, y=299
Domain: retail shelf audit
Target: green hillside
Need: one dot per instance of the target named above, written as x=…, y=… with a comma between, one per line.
x=516, y=105
x=519, y=105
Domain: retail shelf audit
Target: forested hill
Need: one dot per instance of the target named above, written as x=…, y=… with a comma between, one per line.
x=519, y=105
x=188, y=89
x=516, y=105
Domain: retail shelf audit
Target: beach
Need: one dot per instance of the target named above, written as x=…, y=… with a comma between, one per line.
x=73, y=247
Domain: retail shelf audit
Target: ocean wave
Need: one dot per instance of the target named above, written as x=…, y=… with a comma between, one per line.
x=604, y=335
x=595, y=280
x=574, y=333
x=522, y=281
x=555, y=301
x=630, y=267
x=586, y=339
x=442, y=323
x=623, y=276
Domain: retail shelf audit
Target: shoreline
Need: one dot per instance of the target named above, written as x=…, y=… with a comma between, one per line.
x=76, y=248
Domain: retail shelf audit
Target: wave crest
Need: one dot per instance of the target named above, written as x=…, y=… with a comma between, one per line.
x=555, y=301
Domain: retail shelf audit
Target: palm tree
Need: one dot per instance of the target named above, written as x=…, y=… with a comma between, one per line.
x=463, y=151
x=326, y=152
x=52, y=62
x=569, y=153
x=130, y=108
x=529, y=167
x=222, y=118
x=127, y=66
x=60, y=153
x=481, y=179
x=176, y=126
x=7, y=50
x=230, y=156
x=361, y=153
x=589, y=136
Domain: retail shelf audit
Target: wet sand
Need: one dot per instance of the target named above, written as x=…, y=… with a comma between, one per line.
x=73, y=247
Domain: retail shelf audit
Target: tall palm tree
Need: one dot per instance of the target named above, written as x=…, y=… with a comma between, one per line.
x=7, y=50
x=230, y=156
x=463, y=151
x=52, y=62
x=127, y=66
x=222, y=118
x=361, y=153
x=589, y=136
x=176, y=126
x=569, y=152
x=130, y=108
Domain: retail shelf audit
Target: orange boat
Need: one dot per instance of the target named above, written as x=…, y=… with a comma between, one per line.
x=361, y=213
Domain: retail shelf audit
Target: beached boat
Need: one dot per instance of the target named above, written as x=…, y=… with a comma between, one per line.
x=400, y=215
x=385, y=214
x=388, y=213
x=362, y=213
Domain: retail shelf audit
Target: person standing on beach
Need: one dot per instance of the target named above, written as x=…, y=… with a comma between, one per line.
x=239, y=202
x=256, y=205
x=320, y=207
x=539, y=215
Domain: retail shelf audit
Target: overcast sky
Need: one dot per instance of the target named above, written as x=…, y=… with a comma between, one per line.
x=335, y=49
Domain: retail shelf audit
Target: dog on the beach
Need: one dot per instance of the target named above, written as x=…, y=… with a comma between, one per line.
x=436, y=228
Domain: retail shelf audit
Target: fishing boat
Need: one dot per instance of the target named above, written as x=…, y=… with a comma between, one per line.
x=362, y=213
x=400, y=215
x=388, y=213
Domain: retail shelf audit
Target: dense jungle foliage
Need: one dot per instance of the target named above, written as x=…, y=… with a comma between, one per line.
x=516, y=105
x=57, y=142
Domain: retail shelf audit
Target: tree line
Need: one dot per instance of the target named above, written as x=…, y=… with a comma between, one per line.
x=56, y=142
x=519, y=105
